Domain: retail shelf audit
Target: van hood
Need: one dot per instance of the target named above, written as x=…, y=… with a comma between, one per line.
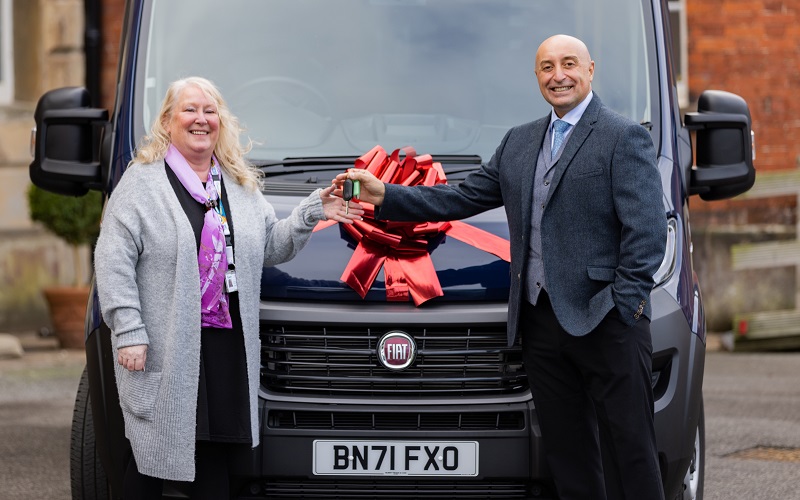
x=465, y=273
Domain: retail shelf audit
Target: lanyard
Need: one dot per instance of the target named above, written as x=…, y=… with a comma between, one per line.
x=220, y=210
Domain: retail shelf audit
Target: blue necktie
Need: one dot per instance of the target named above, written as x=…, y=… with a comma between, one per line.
x=559, y=129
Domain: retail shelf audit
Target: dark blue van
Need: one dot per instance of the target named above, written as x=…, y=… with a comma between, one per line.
x=318, y=83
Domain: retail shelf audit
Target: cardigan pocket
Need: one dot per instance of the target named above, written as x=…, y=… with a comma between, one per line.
x=138, y=391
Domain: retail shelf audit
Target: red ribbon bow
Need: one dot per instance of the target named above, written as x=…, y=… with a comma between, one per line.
x=401, y=248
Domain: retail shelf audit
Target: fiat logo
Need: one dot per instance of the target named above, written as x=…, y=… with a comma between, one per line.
x=396, y=350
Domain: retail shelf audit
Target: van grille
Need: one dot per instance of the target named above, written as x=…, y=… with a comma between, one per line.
x=401, y=489
x=340, y=362
x=396, y=421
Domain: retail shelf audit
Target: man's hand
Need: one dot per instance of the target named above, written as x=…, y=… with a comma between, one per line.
x=372, y=189
x=132, y=357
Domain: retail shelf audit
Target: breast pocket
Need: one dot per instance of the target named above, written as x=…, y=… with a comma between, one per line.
x=138, y=392
x=587, y=172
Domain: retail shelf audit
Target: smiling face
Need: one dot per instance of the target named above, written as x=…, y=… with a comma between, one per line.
x=193, y=126
x=565, y=71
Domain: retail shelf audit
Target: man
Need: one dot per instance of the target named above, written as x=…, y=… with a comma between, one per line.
x=587, y=228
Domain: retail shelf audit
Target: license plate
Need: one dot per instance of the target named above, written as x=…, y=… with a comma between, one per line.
x=396, y=458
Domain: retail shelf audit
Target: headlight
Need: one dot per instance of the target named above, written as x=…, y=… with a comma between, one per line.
x=668, y=264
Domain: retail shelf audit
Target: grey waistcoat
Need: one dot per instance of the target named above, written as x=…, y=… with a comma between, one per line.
x=543, y=176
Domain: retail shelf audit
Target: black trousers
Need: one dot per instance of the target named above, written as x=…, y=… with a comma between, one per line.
x=595, y=405
x=211, y=481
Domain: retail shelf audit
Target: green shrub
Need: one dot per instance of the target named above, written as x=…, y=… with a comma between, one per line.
x=75, y=219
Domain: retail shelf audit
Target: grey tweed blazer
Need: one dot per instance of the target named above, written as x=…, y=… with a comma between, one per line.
x=603, y=226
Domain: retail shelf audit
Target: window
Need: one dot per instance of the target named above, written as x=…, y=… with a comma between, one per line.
x=6, y=54
x=315, y=88
x=677, y=22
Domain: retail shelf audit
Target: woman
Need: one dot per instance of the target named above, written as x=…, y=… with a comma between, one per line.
x=178, y=264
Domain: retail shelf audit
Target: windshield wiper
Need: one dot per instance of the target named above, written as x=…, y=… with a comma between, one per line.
x=306, y=161
x=345, y=160
x=458, y=159
x=326, y=162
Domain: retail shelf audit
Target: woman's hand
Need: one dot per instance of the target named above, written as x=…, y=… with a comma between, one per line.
x=132, y=357
x=372, y=189
x=334, y=207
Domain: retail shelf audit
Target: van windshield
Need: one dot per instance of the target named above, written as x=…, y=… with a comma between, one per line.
x=310, y=78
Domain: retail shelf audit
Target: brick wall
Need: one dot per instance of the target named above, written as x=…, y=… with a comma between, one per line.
x=113, y=12
x=751, y=48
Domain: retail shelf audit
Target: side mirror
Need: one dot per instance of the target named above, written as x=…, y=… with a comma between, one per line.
x=724, y=160
x=66, y=142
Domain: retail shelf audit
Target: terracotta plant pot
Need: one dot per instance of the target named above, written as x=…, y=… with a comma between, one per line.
x=68, y=314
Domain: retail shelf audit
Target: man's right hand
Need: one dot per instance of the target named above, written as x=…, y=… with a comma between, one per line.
x=372, y=189
x=132, y=357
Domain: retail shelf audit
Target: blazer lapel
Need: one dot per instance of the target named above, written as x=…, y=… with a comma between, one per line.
x=582, y=130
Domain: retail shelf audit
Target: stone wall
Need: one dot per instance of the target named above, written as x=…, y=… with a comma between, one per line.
x=48, y=46
x=727, y=292
x=48, y=53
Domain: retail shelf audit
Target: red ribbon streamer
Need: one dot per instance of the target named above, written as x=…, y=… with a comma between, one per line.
x=401, y=248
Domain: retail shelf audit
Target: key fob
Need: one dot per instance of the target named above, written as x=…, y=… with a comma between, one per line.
x=347, y=190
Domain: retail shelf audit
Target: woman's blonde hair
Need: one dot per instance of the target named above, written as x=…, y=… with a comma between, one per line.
x=229, y=151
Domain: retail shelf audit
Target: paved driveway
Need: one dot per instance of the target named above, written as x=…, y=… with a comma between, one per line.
x=37, y=392
x=752, y=404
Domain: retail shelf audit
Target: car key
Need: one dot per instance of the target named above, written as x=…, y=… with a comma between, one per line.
x=350, y=190
x=347, y=194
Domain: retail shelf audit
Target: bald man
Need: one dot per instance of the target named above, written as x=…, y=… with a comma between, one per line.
x=588, y=230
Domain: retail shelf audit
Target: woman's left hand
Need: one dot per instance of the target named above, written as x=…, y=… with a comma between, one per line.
x=132, y=357
x=334, y=207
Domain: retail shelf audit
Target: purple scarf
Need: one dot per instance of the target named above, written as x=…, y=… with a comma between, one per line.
x=211, y=258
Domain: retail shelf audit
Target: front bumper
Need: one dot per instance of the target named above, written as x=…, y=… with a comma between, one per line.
x=508, y=437
x=511, y=459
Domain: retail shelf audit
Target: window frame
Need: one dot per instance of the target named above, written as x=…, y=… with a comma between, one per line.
x=682, y=59
x=6, y=53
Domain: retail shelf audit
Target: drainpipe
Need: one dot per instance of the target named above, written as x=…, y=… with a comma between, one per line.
x=92, y=46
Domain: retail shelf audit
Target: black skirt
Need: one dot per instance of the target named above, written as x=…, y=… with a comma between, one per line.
x=223, y=402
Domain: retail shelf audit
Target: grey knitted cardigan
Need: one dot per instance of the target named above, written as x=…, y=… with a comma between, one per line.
x=149, y=289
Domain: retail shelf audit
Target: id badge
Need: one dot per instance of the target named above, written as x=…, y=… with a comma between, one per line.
x=230, y=281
